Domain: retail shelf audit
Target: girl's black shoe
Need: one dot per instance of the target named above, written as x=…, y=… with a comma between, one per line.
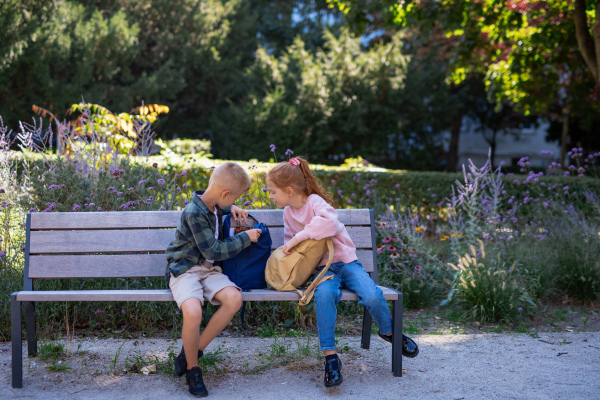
x=409, y=347
x=195, y=382
x=333, y=371
x=181, y=362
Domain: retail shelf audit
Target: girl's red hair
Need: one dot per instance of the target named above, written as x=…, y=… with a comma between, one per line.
x=299, y=177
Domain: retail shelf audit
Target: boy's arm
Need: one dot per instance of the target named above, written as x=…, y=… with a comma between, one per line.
x=214, y=249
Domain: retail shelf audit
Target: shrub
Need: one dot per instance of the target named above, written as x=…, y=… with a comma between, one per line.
x=488, y=289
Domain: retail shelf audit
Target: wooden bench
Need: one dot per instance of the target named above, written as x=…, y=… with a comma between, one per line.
x=132, y=244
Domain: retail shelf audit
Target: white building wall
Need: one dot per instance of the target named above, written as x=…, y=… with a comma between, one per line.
x=510, y=146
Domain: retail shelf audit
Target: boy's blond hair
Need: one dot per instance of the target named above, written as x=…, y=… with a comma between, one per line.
x=232, y=176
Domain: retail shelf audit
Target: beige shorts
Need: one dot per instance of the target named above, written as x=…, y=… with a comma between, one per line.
x=200, y=282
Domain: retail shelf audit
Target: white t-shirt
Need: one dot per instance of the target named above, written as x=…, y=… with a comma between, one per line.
x=216, y=231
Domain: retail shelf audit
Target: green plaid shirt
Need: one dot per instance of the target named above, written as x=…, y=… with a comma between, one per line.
x=195, y=240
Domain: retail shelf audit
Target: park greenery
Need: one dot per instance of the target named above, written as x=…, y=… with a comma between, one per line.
x=127, y=105
x=332, y=79
x=491, y=246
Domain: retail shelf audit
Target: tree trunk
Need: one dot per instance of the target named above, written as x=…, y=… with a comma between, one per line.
x=453, y=149
x=493, y=148
x=589, y=45
x=563, y=142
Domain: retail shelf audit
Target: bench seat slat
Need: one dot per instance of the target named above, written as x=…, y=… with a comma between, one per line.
x=161, y=219
x=118, y=266
x=140, y=240
x=165, y=295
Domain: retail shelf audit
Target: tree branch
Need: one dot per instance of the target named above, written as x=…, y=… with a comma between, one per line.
x=585, y=40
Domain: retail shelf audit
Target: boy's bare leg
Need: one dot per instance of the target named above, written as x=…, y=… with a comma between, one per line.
x=231, y=301
x=190, y=333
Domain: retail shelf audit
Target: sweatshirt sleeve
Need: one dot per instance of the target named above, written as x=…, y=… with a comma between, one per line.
x=325, y=223
x=288, y=233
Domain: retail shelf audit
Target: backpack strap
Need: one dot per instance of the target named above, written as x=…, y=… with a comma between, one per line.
x=307, y=295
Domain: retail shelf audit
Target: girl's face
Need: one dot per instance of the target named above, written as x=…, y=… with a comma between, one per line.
x=279, y=196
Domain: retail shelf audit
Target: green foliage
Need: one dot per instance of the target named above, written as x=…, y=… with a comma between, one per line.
x=489, y=289
x=341, y=101
x=575, y=249
x=200, y=148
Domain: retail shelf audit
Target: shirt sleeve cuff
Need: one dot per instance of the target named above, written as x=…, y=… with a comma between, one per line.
x=302, y=236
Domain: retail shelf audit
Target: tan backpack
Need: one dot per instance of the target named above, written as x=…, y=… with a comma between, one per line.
x=289, y=272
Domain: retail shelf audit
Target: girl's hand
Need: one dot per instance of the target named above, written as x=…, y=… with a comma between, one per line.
x=238, y=213
x=287, y=248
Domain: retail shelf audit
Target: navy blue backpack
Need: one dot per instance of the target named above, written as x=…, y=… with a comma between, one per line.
x=247, y=268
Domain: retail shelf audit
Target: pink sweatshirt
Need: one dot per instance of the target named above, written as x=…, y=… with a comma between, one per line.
x=318, y=220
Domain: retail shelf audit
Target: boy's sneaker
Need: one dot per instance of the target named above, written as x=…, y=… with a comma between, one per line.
x=333, y=371
x=181, y=362
x=195, y=382
x=409, y=347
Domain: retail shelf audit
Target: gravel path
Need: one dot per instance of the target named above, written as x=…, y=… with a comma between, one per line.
x=504, y=366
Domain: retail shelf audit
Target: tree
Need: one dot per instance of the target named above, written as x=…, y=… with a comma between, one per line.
x=532, y=52
x=342, y=101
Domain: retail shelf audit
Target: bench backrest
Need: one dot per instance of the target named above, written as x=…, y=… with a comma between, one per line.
x=131, y=244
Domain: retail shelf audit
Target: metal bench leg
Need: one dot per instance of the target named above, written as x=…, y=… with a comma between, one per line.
x=30, y=322
x=365, y=342
x=397, y=337
x=17, y=338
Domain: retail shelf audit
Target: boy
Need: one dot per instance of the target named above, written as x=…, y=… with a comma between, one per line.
x=192, y=274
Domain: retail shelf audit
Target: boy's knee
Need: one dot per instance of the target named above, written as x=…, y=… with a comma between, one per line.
x=192, y=310
x=231, y=298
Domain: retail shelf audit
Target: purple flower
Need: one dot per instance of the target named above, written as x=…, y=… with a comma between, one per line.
x=123, y=311
x=32, y=209
x=99, y=208
x=247, y=203
x=183, y=173
x=98, y=311
x=161, y=208
x=2, y=191
x=520, y=308
x=160, y=181
x=124, y=206
x=288, y=152
x=185, y=185
x=273, y=148
x=142, y=182
x=119, y=193
x=63, y=186
x=545, y=204
x=76, y=207
x=4, y=204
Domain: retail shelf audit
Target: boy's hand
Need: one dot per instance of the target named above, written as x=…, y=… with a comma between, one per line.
x=238, y=213
x=287, y=248
x=254, y=234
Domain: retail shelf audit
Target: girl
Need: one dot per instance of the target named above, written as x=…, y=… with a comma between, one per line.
x=309, y=213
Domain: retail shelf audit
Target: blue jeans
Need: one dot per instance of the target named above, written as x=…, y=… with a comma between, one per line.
x=354, y=277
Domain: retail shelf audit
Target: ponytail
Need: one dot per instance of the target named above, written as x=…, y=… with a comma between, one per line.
x=297, y=174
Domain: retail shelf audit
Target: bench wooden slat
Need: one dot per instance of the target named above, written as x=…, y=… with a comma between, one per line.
x=140, y=240
x=165, y=295
x=161, y=219
x=118, y=266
